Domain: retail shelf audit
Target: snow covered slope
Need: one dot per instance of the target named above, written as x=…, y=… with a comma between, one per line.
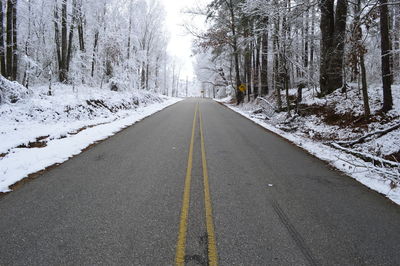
x=40, y=130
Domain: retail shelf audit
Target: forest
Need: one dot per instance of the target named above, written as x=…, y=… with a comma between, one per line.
x=273, y=46
x=74, y=72
x=323, y=74
x=92, y=42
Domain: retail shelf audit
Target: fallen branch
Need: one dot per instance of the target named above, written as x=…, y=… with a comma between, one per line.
x=267, y=102
x=390, y=174
x=365, y=138
x=366, y=157
x=259, y=112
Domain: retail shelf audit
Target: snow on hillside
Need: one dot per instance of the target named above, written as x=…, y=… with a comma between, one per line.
x=40, y=130
x=334, y=129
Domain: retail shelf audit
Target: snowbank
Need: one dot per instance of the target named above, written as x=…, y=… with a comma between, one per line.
x=12, y=91
x=39, y=131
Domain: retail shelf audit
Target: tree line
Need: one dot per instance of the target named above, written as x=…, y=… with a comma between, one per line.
x=122, y=43
x=323, y=44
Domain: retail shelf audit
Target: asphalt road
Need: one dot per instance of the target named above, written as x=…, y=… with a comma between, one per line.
x=121, y=202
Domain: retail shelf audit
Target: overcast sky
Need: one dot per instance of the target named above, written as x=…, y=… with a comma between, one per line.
x=180, y=41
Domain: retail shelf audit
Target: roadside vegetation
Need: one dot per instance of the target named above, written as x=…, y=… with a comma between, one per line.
x=73, y=72
x=328, y=71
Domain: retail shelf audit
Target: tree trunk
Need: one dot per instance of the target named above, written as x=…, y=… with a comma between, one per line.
x=257, y=67
x=15, y=42
x=2, y=48
x=143, y=77
x=286, y=53
x=165, y=85
x=391, y=36
x=129, y=37
x=277, y=59
x=63, y=69
x=299, y=99
x=276, y=71
x=248, y=68
x=9, y=40
x=148, y=71
x=247, y=61
x=239, y=94
x=80, y=28
x=312, y=46
x=157, y=74
x=306, y=44
x=57, y=34
x=81, y=37
x=385, y=55
x=360, y=50
x=333, y=31
x=71, y=33
x=396, y=43
x=26, y=78
x=367, y=111
x=96, y=40
x=264, y=59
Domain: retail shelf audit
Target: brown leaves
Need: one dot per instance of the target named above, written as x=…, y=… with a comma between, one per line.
x=214, y=38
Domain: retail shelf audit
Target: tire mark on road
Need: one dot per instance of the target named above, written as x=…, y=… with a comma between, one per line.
x=294, y=234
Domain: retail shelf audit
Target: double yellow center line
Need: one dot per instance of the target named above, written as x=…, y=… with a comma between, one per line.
x=212, y=247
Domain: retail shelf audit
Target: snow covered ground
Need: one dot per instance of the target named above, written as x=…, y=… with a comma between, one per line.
x=325, y=127
x=39, y=130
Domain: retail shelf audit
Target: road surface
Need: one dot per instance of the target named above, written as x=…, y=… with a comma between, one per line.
x=197, y=184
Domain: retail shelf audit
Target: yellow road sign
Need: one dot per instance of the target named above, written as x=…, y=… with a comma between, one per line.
x=242, y=88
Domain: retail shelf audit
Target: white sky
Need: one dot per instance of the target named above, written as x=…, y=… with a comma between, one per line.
x=180, y=41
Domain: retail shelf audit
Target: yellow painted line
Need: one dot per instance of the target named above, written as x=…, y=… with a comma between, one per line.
x=212, y=244
x=180, y=246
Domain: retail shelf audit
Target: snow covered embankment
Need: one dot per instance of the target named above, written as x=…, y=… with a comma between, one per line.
x=326, y=127
x=38, y=131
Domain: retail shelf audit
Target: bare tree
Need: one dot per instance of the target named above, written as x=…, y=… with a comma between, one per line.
x=63, y=68
x=231, y=8
x=333, y=29
x=385, y=53
x=396, y=41
x=2, y=48
x=9, y=40
x=14, y=41
x=264, y=57
x=359, y=50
